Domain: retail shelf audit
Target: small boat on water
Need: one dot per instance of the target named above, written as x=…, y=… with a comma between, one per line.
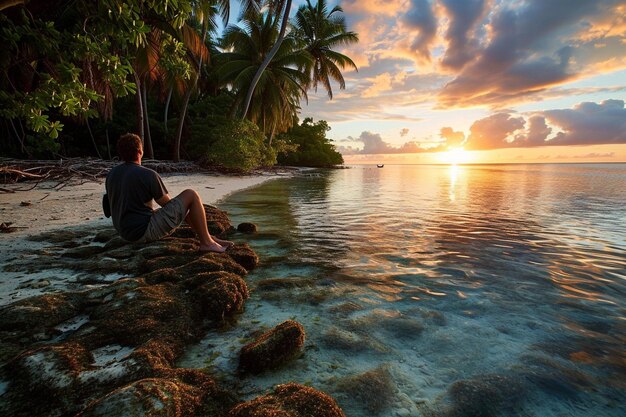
x=380, y=165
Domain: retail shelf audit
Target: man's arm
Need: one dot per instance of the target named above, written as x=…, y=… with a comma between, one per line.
x=165, y=198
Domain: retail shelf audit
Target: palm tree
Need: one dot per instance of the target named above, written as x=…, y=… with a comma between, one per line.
x=281, y=84
x=322, y=31
x=204, y=15
x=276, y=9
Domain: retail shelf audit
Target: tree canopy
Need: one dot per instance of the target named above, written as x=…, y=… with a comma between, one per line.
x=76, y=74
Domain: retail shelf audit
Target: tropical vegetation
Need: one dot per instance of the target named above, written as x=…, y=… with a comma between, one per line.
x=77, y=73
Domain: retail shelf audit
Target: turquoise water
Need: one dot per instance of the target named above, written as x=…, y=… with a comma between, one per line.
x=442, y=291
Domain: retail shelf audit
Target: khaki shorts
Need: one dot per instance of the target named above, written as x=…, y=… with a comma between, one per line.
x=165, y=220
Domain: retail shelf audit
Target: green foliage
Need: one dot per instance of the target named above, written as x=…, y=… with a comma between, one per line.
x=313, y=148
x=65, y=64
x=232, y=144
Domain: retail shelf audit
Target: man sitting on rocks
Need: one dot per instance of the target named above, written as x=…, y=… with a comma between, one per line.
x=131, y=188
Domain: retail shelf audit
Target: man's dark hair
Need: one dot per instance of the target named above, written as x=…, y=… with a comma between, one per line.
x=129, y=147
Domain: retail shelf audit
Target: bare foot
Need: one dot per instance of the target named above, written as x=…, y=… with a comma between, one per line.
x=212, y=247
x=225, y=243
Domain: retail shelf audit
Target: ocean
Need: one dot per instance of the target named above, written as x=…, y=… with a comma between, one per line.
x=480, y=290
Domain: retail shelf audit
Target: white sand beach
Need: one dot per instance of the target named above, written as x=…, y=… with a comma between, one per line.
x=44, y=208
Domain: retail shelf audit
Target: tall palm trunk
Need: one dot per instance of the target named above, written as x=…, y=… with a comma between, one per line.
x=183, y=109
x=167, y=110
x=138, y=107
x=93, y=140
x=267, y=60
x=149, y=152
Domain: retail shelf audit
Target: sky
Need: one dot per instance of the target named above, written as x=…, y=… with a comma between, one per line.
x=480, y=81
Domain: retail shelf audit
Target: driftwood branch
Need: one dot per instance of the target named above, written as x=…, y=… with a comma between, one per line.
x=24, y=175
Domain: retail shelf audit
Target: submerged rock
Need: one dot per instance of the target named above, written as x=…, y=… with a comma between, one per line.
x=246, y=227
x=273, y=348
x=374, y=390
x=484, y=395
x=290, y=400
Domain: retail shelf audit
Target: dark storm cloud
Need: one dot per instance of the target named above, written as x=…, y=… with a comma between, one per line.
x=524, y=53
x=421, y=20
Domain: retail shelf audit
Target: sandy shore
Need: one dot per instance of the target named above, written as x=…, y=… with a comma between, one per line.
x=44, y=209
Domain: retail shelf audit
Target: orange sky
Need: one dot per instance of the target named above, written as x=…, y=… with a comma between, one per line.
x=507, y=79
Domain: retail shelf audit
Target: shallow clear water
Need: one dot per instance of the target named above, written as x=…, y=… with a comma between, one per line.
x=446, y=291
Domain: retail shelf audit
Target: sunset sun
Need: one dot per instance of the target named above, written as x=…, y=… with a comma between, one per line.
x=456, y=156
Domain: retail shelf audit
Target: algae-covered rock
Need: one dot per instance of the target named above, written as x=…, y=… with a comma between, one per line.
x=290, y=400
x=40, y=312
x=220, y=294
x=52, y=370
x=217, y=220
x=154, y=397
x=246, y=227
x=273, y=348
x=244, y=256
x=135, y=316
x=484, y=395
x=374, y=389
x=211, y=262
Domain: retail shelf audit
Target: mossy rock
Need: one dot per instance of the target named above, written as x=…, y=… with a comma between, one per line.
x=248, y=228
x=217, y=220
x=273, y=348
x=374, y=390
x=132, y=317
x=220, y=295
x=244, y=256
x=154, y=397
x=290, y=400
x=46, y=381
x=40, y=312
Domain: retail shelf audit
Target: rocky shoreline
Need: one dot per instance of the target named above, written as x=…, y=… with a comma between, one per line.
x=110, y=348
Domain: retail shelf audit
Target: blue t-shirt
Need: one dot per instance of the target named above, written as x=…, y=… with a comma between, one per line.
x=131, y=189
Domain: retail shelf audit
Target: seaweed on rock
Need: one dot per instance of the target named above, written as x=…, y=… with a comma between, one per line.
x=290, y=400
x=273, y=348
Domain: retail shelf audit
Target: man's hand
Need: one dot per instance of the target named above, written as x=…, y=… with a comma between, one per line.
x=165, y=198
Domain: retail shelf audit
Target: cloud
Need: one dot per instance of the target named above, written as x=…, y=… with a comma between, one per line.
x=493, y=131
x=589, y=123
x=380, y=83
x=527, y=47
x=538, y=132
x=421, y=22
x=373, y=144
x=464, y=16
x=404, y=132
x=596, y=155
x=451, y=137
